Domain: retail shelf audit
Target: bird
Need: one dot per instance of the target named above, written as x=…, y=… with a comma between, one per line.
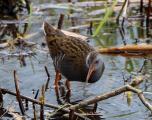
x=72, y=57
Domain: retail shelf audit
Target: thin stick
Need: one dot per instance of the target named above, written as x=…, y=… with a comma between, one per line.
x=148, y=15
x=117, y=19
x=34, y=111
x=90, y=28
x=141, y=97
x=26, y=105
x=37, y=93
x=33, y=105
x=4, y=91
x=48, y=80
x=42, y=101
x=141, y=7
x=116, y=92
x=47, y=72
x=60, y=22
x=1, y=99
x=18, y=97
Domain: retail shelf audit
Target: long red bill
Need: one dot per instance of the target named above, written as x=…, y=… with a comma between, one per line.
x=90, y=72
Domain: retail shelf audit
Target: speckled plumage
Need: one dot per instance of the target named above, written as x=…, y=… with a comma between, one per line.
x=68, y=54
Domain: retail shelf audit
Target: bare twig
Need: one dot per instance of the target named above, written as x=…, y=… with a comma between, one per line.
x=71, y=109
x=37, y=92
x=34, y=112
x=1, y=99
x=33, y=105
x=123, y=6
x=18, y=94
x=60, y=22
x=39, y=103
x=141, y=97
x=42, y=100
x=7, y=110
x=48, y=79
x=141, y=7
x=116, y=92
x=47, y=72
x=26, y=105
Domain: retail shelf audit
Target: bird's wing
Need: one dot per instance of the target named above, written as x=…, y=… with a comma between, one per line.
x=72, y=46
x=75, y=51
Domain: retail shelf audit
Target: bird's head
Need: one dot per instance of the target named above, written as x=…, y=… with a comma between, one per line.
x=95, y=66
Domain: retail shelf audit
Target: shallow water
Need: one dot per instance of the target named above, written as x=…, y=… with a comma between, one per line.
x=33, y=76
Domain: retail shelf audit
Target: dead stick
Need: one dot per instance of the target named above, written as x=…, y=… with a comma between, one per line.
x=1, y=99
x=33, y=104
x=26, y=105
x=141, y=7
x=34, y=112
x=100, y=98
x=60, y=22
x=117, y=19
x=37, y=93
x=42, y=101
x=18, y=94
x=48, y=80
x=141, y=97
x=4, y=91
x=113, y=93
x=47, y=72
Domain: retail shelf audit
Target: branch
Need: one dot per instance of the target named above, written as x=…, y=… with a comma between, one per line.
x=141, y=97
x=18, y=97
x=128, y=49
x=4, y=91
x=116, y=92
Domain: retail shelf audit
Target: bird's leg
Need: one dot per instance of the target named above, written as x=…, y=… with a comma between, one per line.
x=57, y=79
x=68, y=93
x=67, y=84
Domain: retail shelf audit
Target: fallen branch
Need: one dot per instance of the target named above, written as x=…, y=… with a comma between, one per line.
x=71, y=109
x=18, y=97
x=4, y=91
x=128, y=49
x=125, y=88
x=141, y=97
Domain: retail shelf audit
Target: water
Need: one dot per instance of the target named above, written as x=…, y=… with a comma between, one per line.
x=33, y=75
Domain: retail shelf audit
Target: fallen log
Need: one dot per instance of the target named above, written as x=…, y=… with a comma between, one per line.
x=128, y=49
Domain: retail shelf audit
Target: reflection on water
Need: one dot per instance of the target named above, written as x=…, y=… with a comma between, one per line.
x=32, y=74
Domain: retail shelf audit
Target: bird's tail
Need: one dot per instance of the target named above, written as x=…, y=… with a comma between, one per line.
x=48, y=29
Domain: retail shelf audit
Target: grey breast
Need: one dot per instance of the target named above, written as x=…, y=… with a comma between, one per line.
x=72, y=71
